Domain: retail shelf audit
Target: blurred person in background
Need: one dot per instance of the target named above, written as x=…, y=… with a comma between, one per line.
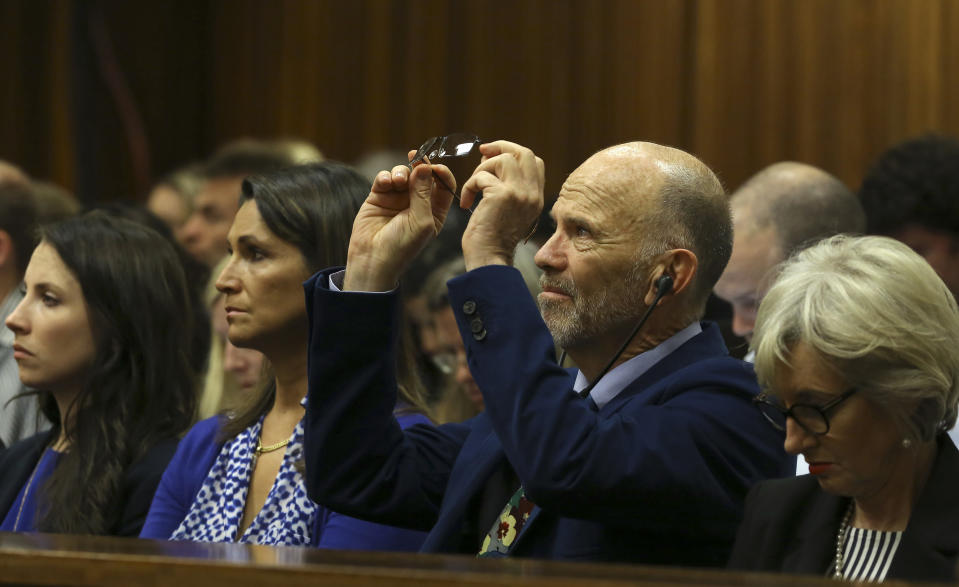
x=217, y=199
x=19, y=414
x=778, y=211
x=171, y=198
x=460, y=397
x=417, y=317
x=10, y=173
x=911, y=193
x=54, y=203
x=233, y=373
x=781, y=209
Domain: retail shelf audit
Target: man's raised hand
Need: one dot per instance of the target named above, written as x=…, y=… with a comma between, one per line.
x=511, y=178
x=402, y=213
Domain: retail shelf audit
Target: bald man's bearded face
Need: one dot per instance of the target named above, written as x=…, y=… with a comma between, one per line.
x=593, y=310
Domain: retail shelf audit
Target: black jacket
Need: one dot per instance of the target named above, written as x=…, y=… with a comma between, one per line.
x=136, y=491
x=790, y=526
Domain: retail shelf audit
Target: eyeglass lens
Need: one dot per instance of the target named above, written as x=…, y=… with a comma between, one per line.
x=452, y=146
x=448, y=147
x=808, y=417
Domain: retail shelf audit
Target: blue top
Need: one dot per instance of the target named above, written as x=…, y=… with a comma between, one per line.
x=204, y=473
x=216, y=514
x=22, y=516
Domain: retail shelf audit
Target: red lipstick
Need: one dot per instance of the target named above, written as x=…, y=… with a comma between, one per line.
x=819, y=468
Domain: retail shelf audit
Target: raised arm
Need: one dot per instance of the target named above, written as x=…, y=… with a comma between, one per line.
x=358, y=460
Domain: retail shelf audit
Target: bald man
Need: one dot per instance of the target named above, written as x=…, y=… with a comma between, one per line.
x=781, y=209
x=651, y=466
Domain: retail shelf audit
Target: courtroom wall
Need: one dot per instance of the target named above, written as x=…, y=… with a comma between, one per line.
x=105, y=95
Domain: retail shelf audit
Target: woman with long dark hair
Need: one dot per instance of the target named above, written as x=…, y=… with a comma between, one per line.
x=239, y=477
x=95, y=335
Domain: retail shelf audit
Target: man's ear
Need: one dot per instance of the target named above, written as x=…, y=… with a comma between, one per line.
x=7, y=255
x=681, y=265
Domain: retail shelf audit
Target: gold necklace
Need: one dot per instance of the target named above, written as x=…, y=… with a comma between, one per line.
x=260, y=449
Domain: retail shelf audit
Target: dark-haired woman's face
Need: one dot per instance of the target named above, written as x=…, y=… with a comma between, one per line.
x=53, y=345
x=263, y=281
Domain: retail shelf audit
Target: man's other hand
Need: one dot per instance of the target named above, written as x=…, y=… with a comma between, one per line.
x=511, y=178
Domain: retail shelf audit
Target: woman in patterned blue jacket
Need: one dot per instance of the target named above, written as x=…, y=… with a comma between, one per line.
x=238, y=477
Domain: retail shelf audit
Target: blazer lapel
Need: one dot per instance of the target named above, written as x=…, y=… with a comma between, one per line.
x=814, y=543
x=706, y=344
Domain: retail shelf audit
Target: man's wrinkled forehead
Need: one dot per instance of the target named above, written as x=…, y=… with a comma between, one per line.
x=610, y=186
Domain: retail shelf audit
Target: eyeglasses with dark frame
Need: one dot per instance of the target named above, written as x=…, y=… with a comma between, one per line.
x=812, y=418
x=452, y=146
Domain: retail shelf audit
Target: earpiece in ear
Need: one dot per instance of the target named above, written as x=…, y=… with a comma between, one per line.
x=664, y=284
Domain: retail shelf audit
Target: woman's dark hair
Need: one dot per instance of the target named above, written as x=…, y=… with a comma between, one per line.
x=312, y=207
x=197, y=275
x=140, y=389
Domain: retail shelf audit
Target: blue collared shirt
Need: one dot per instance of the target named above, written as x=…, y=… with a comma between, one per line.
x=622, y=375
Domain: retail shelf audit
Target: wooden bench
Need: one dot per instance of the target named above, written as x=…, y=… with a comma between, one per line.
x=54, y=559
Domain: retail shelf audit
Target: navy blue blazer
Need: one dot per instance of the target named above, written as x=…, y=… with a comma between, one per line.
x=657, y=476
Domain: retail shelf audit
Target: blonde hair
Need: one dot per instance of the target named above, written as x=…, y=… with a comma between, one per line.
x=218, y=390
x=878, y=314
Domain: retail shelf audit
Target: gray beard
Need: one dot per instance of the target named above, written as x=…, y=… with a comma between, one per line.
x=577, y=322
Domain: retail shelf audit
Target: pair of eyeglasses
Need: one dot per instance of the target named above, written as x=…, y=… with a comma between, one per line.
x=813, y=419
x=453, y=146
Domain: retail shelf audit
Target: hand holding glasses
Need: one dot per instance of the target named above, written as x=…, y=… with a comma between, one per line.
x=453, y=146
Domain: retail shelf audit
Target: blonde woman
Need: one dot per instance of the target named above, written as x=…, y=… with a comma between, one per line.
x=856, y=345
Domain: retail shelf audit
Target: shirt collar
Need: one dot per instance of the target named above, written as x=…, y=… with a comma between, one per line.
x=616, y=380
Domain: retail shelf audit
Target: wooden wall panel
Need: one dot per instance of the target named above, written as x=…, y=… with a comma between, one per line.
x=825, y=82
x=559, y=76
x=949, y=66
x=162, y=50
x=742, y=83
x=35, y=128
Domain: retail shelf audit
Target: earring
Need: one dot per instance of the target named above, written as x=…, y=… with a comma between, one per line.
x=906, y=443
